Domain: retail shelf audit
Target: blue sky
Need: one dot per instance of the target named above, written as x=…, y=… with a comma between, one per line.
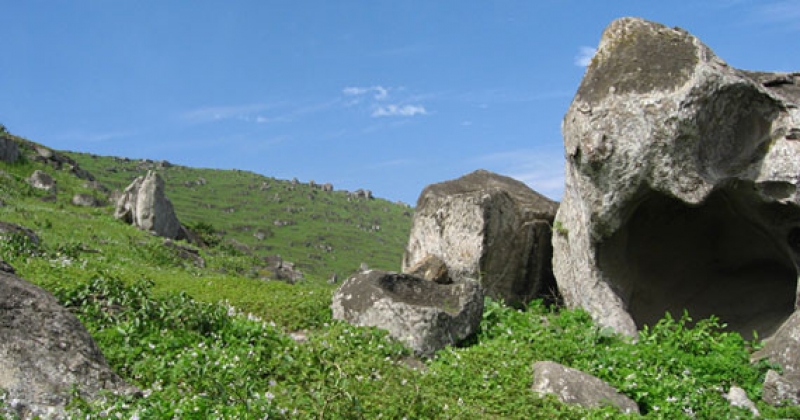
x=383, y=95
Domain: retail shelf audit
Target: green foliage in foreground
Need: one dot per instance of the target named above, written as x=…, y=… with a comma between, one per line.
x=169, y=327
x=194, y=360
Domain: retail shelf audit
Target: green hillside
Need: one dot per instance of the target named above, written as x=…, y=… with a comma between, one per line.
x=322, y=232
x=217, y=340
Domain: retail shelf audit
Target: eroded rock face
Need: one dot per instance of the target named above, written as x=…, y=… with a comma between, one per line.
x=145, y=205
x=681, y=186
x=45, y=351
x=424, y=315
x=572, y=386
x=488, y=227
x=781, y=389
x=431, y=268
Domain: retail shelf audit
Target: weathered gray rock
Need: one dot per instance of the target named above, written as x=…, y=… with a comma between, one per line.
x=42, y=180
x=45, y=351
x=738, y=398
x=145, y=205
x=781, y=389
x=489, y=227
x=85, y=200
x=783, y=347
x=10, y=230
x=681, y=186
x=424, y=315
x=9, y=150
x=283, y=270
x=572, y=386
x=431, y=268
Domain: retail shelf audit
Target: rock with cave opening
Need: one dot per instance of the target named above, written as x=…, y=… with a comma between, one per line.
x=681, y=186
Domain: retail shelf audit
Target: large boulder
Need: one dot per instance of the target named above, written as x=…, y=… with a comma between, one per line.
x=571, y=386
x=488, y=227
x=681, y=186
x=145, y=205
x=424, y=315
x=45, y=352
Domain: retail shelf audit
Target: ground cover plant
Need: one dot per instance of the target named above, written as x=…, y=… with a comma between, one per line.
x=217, y=342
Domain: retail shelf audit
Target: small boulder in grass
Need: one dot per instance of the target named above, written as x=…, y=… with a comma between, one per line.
x=423, y=315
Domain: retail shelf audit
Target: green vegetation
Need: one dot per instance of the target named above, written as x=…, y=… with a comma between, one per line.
x=322, y=232
x=219, y=342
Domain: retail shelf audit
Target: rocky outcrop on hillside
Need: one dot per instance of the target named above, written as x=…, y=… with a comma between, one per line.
x=145, y=205
x=486, y=227
x=45, y=352
x=681, y=186
x=424, y=315
x=42, y=180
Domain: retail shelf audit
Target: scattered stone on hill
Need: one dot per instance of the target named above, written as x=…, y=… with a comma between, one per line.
x=42, y=180
x=572, y=386
x=333, y=279
x=430, y=268
x=283, y=270
x=327, y=187
x=145, y=205
x=681, y=186
x=9, y=150
x=295, y=181
x=738, y=398
x=423, y=315
x=85, y=200
x=58, y=161
x=488, y=227
x=781, y=389
x=96, y=185
x=8, y=231
x=45, y=351
x=186, y=252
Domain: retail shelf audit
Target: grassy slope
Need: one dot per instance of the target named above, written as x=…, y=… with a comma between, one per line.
x=328, y=233
x=194, y=364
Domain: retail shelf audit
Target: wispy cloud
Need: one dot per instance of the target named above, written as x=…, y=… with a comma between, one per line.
x=393, y=110
x=379, y=92
x=258, y=113
x=785, y=13
x=542, y=170
x=584, y=56
x=218, y=113
x=374, y=99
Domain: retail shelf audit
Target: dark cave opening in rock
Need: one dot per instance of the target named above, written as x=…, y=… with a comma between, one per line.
x=719, y=258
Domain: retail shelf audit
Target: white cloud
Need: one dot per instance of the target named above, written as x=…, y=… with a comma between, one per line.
x=216, y=113
x=585, y=55
x=380, y=92
x=399, y=111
